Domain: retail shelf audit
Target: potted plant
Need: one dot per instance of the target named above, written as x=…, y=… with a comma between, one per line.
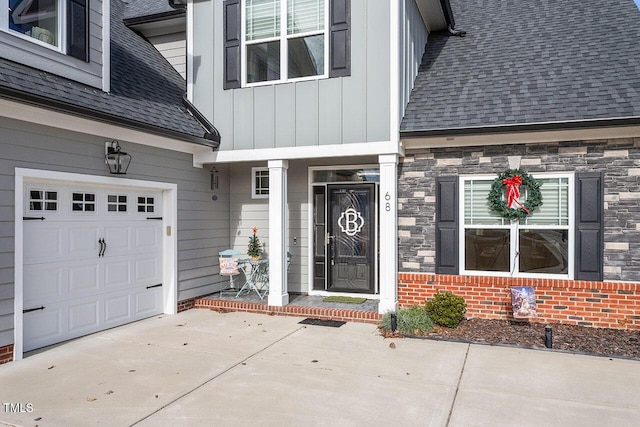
x=255, y=247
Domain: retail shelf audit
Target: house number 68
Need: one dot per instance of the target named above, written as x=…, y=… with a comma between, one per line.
x=387, y=206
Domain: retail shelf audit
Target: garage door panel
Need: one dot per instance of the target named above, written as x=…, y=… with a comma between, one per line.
x=83, y=317
x=147, y=270
x=83, y=279
x=117, y=239
x=147, y=237
x=117, y=309
x=42, y=328
x=83, y=242
x=146, y=301
x=46, y=283
x=116, y=274
x=43, y=242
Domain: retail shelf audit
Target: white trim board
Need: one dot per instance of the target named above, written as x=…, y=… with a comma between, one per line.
x=202, y=157
x=45, y=117
x=596, y=133
x=169, y=243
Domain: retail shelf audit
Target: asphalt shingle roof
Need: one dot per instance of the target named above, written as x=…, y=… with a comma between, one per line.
x=145, y=8
x=521, y=63
x=145, y=89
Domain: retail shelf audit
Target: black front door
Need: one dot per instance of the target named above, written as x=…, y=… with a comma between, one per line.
x=351, y=238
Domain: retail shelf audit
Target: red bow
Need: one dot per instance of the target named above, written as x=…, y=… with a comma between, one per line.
x=513, y=192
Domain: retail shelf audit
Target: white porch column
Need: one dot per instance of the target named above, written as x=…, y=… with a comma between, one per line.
x=388, y=233
x=278, y=233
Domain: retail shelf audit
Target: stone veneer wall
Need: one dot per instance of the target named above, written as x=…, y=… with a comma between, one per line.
x=619, y=159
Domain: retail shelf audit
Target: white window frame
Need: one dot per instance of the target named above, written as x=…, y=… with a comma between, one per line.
x=117, y=203
x=62, y=25
x=44, y=200
x=254, y=189
x=284, y=53
x=513, y=233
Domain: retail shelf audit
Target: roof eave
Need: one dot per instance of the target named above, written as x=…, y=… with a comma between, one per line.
x=87, y=113
x=523, y=127
x=158, y=17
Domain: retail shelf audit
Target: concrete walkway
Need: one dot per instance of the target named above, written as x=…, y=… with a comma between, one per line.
x=202, y=368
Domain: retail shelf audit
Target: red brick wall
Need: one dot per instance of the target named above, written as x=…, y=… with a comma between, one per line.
x=598, y=304
x=6, y=354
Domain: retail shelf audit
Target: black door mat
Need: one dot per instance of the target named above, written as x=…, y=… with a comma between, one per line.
x=320, y=322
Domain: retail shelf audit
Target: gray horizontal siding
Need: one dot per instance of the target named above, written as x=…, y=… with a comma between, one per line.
x=174, y=48
x=202, y=223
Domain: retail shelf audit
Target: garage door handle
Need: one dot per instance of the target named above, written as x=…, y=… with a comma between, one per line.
x=29, y=310
x=32, y=218
x=103, y=247
x=154, y=286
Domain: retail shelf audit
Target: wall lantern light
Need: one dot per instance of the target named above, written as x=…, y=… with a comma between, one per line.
x=118, y=161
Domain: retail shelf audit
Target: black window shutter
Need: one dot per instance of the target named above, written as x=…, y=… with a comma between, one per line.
x=447, y=225
x=589, y=226
x=78, y=29
x=340, y=38
x=232, y=25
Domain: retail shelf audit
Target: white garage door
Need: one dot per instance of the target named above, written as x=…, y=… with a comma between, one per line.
x=92, y=260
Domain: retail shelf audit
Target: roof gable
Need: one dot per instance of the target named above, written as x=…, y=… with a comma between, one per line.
x=146, y=91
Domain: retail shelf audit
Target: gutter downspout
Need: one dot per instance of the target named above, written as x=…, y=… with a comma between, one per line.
x=178, y=4
x=211, y=133
x=448, y=16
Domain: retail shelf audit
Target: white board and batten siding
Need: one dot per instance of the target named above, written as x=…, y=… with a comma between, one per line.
x=202, y=223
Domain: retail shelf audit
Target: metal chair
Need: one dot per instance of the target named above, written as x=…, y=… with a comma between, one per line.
x=228, y=260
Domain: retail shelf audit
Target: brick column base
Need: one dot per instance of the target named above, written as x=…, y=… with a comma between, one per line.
x=186, y=304
x=6, y=354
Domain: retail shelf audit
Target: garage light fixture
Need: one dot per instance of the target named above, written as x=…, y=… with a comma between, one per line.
x=118, y=161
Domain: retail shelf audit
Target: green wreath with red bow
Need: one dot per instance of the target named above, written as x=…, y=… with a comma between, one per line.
x=508, y=183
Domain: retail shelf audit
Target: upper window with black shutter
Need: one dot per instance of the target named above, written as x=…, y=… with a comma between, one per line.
x=276, y=41
x=57, y=24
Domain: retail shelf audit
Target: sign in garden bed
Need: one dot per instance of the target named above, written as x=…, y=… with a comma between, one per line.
x=523, y=302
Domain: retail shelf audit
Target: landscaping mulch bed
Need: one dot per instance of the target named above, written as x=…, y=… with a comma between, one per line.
x=601, y=341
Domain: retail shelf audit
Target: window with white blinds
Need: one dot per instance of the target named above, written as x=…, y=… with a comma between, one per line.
x=305, y=16
x=553, y=211
x=263, y=19
x=540, y=244
x=284, y=40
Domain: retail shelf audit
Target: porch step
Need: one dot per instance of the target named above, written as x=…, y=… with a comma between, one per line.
x=324, y=313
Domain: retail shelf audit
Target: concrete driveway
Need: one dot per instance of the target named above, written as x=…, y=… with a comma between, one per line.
x=202, y=368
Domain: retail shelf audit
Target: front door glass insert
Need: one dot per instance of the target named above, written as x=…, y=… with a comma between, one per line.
x=351, y=238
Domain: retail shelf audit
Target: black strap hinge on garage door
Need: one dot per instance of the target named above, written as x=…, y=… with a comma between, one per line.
x=29, y=310
x=154, y=286
x=32, y=218
x=156, y=218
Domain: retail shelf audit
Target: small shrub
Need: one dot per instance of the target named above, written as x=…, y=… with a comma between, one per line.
x=446, y=309
x=411, y=321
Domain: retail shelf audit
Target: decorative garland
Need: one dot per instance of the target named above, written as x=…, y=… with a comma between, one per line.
x=511, y=208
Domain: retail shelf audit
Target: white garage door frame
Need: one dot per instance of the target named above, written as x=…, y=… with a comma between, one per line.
x=169, y=240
